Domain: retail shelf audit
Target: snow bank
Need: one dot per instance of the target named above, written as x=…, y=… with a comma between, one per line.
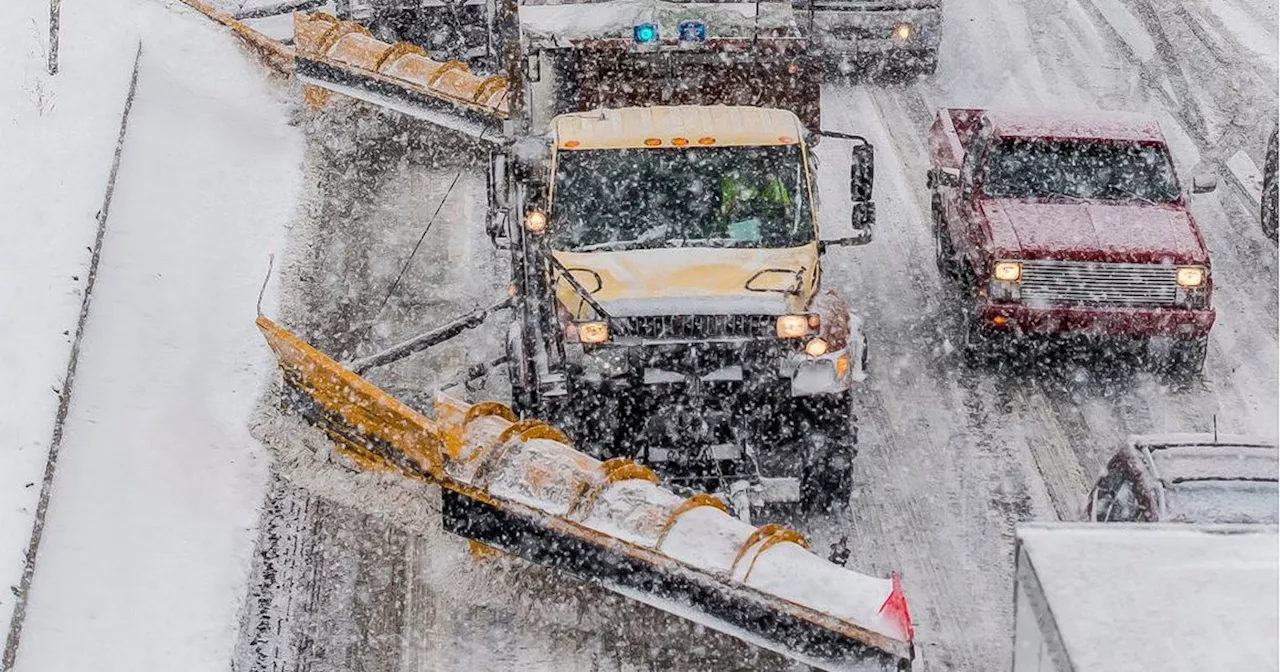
x=59, y=135
x=150, y=528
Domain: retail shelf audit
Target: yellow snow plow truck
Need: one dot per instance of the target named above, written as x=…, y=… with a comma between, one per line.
x=672, y=310
x=668, y=310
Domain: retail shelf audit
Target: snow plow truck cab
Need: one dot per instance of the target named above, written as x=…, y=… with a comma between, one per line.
x=686, y=322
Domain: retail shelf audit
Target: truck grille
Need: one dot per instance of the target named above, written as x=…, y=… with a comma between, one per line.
x=1081, y=283
x=695, y=327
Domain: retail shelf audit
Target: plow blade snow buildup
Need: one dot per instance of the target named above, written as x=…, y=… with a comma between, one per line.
x=344, y=57
x=518, y=486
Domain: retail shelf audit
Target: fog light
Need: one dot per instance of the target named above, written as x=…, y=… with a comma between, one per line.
x=816, y=348
x=902, y=31
x=593, y=332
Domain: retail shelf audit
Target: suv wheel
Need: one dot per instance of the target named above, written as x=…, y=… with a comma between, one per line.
x=1186, y=357
x=944, y=253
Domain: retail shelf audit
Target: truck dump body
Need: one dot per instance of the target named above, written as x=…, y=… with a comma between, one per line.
x=742, y=54
x=1120, y=597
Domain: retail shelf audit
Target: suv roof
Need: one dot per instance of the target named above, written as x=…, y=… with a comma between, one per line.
x=1203, y=478
x=1124, y=126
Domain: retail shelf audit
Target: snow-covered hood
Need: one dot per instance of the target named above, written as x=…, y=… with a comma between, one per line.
x=1136, y=233
x=691, y=281
x=550, y=20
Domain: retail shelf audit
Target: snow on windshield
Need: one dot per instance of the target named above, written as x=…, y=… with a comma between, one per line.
x=1223, y=502
x=1020, y=168
x=616, y=199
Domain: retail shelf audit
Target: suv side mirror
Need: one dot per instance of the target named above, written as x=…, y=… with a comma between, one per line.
x=1203, y=184
x=862, y=174
x=943, y=177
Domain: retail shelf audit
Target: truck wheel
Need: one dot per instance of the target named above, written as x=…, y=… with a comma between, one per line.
x=1270, y=216
x=831, y=443
x=926, y=62
x=1186, y=357
x=826, y=483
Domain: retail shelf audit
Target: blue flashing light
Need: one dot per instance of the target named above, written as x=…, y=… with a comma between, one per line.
x=645, y=33
x=693, y=31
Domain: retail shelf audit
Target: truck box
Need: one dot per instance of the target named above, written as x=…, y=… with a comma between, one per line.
x=1149, y=597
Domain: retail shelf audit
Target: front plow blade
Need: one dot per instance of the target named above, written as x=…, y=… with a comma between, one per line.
x=343, y=57
x=518, y=486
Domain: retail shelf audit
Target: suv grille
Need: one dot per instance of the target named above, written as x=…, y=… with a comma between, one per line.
x=1083, y=283
x=696, y=327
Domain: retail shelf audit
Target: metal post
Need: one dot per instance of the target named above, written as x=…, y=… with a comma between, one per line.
x=55, y=13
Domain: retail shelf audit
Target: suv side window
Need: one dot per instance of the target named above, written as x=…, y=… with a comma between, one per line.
x=1124, y=506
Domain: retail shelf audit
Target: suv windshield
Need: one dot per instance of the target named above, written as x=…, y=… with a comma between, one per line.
x=624, y=199
x=1030, y=168
x=1214, y=501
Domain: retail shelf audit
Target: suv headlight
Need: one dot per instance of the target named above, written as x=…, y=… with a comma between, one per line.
x=1191, y=276
x=1008, y=271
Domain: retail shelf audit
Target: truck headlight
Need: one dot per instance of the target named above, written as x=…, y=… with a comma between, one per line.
x=902, y=31
x=1008, y=271
x=792, y=326
x=593, y=332
x=1190, y=276
x=535, y=221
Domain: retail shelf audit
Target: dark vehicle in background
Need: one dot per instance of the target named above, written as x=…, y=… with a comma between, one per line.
x=1192, y=478
x=1271, y=190
x=1068, y=224
x=892, y=37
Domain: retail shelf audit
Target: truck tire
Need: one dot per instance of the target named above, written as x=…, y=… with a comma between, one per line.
x=1186, y=357
x=826, y=479
x=926, y=62
x=944, y=252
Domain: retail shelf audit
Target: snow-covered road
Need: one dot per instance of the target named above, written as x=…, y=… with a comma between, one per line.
x=151, y=527
x=952, y=458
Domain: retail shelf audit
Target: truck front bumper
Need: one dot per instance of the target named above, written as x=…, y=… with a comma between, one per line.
x=750, y=364
x=1096, y=321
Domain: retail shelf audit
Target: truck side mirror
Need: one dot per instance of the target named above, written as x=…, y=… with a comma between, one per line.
x=1203, y=184
x=861, y=182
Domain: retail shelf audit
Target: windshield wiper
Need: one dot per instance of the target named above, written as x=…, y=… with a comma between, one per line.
x=1134, y=195
x=613, y=246
x=714, y=242
x=1060, y=194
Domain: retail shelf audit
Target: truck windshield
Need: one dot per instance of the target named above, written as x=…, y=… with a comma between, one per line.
x=622, y=199
x=1031, y=168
